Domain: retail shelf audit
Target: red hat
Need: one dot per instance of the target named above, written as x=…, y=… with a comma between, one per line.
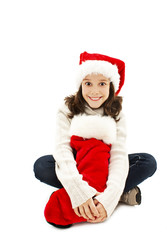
x=112, y=68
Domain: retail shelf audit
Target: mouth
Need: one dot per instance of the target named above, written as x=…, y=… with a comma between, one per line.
x=95, y=98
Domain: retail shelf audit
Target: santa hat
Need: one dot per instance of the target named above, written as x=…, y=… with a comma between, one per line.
x=112, y=68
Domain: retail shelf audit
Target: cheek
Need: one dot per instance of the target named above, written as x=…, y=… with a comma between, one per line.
x=84, y=91
x=106, y=92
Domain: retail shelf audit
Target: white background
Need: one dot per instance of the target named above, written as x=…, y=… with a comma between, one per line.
x=40, y=43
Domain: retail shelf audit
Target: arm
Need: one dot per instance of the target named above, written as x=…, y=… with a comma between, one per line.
x=78, y=190
x=118, y=170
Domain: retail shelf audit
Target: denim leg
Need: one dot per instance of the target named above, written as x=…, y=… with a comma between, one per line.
x=44, y=170
x=141, y=166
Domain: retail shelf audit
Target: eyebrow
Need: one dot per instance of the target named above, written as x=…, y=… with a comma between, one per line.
x=104, y=80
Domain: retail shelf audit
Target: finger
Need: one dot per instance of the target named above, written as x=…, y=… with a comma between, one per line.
x=97, y=220
x=77, y=212
x=82, y=212
x=94, y=210
x=95, y=202
x=88, y=213
x=101, y=209
x=103, y=219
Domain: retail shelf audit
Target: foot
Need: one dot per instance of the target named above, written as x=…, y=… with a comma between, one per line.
x=133, y=197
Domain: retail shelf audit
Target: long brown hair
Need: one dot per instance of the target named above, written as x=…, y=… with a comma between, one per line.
x=112, y=106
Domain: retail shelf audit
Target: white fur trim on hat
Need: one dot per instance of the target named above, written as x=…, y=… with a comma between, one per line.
x=97, y=66
x=94, y=126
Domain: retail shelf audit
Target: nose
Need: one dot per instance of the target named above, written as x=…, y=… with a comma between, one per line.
x=95, y=91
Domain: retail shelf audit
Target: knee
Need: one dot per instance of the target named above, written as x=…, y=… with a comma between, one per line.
x=150, y=163
x=38, y=168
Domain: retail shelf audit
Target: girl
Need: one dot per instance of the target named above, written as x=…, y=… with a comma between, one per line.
x=100, y=79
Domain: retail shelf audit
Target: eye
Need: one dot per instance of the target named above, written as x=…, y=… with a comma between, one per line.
x=88, y=83
x=102, y=84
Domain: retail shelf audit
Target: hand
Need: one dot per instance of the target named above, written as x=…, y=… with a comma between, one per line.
x=101, y=210
x=87, y=210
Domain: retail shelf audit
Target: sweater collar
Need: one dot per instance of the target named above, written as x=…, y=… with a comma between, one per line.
x=91, y=111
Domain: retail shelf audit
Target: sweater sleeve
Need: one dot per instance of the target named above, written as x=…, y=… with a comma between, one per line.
x=118, y=170
x=78, y=190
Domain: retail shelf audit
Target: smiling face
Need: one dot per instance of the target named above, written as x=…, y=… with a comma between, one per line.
x=95, y=89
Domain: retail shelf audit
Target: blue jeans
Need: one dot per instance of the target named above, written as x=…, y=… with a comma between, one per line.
x=141, y=167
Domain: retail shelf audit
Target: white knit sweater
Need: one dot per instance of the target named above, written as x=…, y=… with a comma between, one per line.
x=78, y=190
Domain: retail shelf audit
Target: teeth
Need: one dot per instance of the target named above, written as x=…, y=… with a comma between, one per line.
x=95, y=98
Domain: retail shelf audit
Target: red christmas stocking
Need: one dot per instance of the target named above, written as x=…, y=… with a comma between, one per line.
x=92, y=162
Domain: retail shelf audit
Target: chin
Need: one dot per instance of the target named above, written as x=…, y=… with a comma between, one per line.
x=95, y=106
